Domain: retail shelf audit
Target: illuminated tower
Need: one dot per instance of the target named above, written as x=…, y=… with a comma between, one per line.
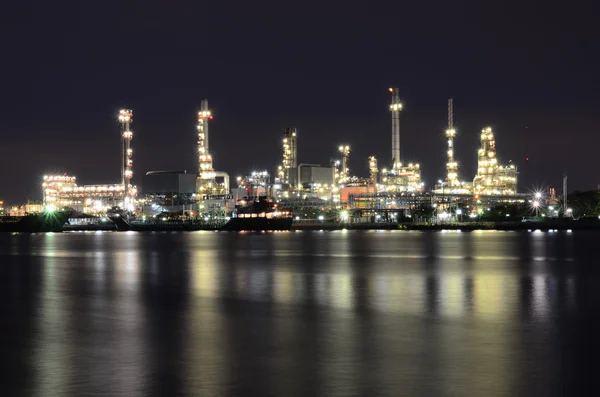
x=206, y=173
x=451, y=165
x=487, y=163
x=290, y=153
x=395, y=108
x=493, y=178
x=373, y=170
x=399, y=178
x=344, y=173
x=125, y=118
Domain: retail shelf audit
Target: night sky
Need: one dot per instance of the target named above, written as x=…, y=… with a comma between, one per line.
x=530, y=71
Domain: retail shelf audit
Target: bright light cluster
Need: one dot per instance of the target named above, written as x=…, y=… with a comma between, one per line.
x=396, y=107
x=402, y=178
x=373, y=170
x=289, y=160
x=205, y=114
x=206, y=172
x=125, y=118
x=493, y=178
x=256, y=178
x=451, y=164
x=343, y=174
x=63, y=191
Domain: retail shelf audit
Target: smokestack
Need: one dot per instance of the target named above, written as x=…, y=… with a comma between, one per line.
x=395, y=108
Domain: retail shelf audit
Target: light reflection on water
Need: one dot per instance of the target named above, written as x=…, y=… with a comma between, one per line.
x=342, y=313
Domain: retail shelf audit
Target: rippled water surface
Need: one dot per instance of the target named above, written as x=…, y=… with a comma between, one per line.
x=300, y=314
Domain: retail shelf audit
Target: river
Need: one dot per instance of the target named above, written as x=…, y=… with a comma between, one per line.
x=344, y=313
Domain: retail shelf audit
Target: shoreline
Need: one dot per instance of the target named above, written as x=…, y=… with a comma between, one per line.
x=562, y=225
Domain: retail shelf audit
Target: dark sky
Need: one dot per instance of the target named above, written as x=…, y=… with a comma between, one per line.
x=528, y=70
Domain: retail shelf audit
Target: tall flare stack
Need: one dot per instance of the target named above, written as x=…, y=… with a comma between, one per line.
x=395, y=108
x=125, y=119
x=206, y=173
x=399, y=178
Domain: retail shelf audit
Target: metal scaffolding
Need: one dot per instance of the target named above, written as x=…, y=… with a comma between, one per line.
x=125, y=119
x=451, y=165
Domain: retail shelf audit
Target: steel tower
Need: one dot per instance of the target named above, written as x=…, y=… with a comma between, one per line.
x=395, y=108
x=125, y=119
x=451, y=165
x=206, y=173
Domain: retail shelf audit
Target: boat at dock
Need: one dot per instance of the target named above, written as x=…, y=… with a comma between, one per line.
x=124, y=222
x=255, y=215
x=48, y=221
x=260, y=215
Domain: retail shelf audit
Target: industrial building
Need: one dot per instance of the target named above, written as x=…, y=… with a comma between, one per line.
x=169, y=182
x=401, y=187
x=308, y=176
x=397, y=186
x=493, y=178
x=297, y=181
x=336, y=183
x=63, y=191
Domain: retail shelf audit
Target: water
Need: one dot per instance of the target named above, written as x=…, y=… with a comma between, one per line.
x=299, y=314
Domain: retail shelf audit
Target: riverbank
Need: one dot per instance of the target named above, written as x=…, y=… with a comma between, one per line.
x=559, y=224
x=555, y=224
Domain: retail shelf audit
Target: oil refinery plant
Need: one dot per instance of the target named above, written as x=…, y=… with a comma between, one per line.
x=398, y=187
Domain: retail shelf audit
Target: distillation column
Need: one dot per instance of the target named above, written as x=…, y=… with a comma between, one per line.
x=345, y=172
x=290, y=153
x=206, y=173
x=125, y=119
x=373, y=171
x=451, y=165
x=395, y=108
x=487, y=164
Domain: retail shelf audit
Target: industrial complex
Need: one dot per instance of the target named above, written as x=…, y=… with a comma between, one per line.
x=397, y=189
